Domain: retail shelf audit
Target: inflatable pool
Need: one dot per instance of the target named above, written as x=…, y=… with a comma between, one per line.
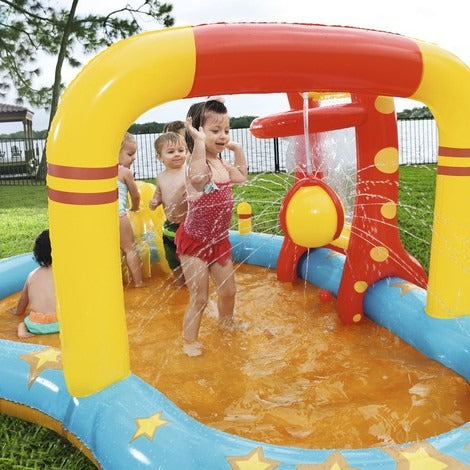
x=86, y=390
x=130, y=424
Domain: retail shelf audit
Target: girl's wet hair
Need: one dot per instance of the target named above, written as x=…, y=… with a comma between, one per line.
x=198, y=112
x=174, y=126
x=42, y=249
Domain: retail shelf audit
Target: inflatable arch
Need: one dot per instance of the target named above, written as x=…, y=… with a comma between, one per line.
x=162, y=66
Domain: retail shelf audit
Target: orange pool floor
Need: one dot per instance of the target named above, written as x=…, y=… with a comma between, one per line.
x=295, y=376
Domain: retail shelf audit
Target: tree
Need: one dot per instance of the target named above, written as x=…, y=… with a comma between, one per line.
x=241, y=122
x=146, y=128
x=416, y=113
x=31, y=26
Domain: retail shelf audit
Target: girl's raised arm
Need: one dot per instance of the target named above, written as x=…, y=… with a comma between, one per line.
x=238, y=172
x=198, y=171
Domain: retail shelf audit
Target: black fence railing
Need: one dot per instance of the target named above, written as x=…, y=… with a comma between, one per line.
x=20, y=160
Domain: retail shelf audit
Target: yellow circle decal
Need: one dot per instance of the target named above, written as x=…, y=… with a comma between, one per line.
x=360, y=286
x=379, y=253
x=386, y=160
x=384, y=105
x=389, y=210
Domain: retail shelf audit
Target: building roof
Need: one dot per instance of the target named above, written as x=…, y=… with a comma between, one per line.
x=13, y=113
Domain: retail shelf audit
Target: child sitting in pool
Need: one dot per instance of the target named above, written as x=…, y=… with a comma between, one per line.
x=38, y=294
x=203, y=239
x=171, y=192
x=126, y=183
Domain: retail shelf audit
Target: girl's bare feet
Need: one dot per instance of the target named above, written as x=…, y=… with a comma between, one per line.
x=192, y=348
x=23, y=331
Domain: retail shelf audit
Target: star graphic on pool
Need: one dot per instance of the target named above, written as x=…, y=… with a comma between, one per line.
x=46, y=358
x=255, y=460
x=334, y=462
x=405, y=287
x=423, y=455
x=148, y=426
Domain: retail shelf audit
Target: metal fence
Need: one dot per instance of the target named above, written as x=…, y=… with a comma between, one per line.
x=417, y=145
x=20, y=161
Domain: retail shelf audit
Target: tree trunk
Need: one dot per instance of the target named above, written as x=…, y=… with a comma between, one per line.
x=60, y=61
x=41, y=174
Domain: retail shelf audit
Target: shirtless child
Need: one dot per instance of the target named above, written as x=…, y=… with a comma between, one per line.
x=171, y=193
x=38, y=293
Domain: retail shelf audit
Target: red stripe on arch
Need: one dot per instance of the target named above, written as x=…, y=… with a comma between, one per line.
x=453, y=170
x=78, y=173
x=82, y=199
x=453, y=152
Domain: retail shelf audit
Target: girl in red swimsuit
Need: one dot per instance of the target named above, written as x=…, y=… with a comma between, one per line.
x=202, y=241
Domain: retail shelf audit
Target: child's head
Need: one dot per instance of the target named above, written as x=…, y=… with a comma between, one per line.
x=171, y=149
x=128, y=150
x=204, y=111
x=175, y=126
x=42, y=249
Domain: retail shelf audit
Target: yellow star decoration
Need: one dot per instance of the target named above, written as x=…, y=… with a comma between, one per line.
x=46, y=358
x=334, y=462
x=405, y=287
x=255, y=460
x=147, y=426
x=423, y=456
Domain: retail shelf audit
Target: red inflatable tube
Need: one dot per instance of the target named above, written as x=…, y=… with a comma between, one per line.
x=319, y=120
x=274, y=58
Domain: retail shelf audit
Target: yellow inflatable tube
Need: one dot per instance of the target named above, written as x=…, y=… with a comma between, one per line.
x=80, y=211
x=449, y=276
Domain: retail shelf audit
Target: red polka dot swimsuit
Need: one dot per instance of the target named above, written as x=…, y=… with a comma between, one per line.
x=204, y=233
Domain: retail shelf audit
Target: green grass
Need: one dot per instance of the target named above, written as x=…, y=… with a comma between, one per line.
x=23, y=214
x=415, y=211
x=25, y=445
x=265, y=193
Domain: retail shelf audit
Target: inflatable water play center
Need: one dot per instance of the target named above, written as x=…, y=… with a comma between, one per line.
x=86, y=389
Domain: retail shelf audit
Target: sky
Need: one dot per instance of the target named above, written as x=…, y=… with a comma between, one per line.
x=444, y=23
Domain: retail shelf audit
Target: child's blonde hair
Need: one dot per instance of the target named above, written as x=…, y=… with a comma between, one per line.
x=128, y=137
x=168, y=138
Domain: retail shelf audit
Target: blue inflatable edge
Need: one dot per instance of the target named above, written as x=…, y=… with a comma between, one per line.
x=13, y=273
x=106, y=422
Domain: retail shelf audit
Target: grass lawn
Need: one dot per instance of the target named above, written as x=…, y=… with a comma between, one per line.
x=23, y=214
